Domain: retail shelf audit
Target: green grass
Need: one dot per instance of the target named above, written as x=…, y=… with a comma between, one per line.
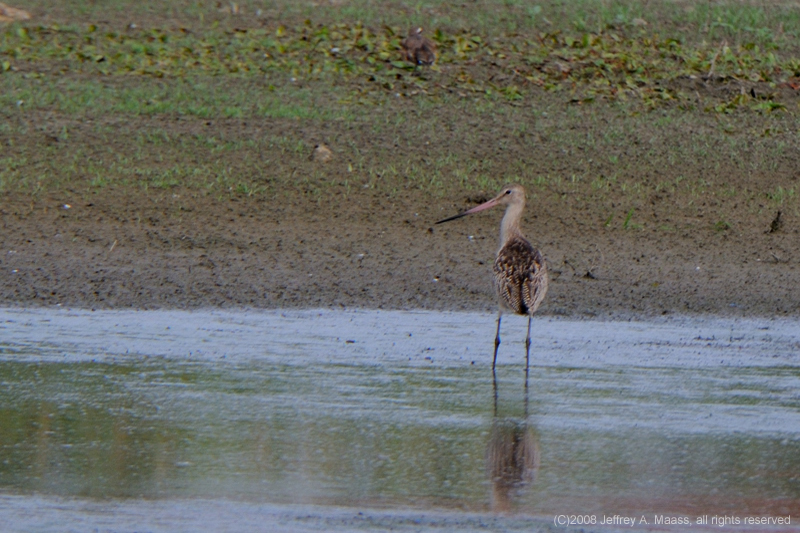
x=586, y=103
x=780, y=196
x=199, y=97
x=605, y=153
x=615, y=61
x=735, y=21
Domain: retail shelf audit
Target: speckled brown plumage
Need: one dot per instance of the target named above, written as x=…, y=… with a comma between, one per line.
x=520, y=276
x=418, y=49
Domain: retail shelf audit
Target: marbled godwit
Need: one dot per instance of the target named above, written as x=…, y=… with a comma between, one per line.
x=418, y=49
x=520, y=272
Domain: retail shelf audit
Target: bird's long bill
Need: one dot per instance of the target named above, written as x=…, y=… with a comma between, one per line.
x=491, y=203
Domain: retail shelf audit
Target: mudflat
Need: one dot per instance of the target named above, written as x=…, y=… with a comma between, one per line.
x=369, y=249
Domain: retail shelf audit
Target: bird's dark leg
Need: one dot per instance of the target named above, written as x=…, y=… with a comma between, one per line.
x=494, y=388
x=526, y=393
x=528, y=346
x=496, y=340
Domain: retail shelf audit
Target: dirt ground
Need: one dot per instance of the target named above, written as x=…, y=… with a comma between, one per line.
x=368, y=249
x=249, y=255
x=704, y=238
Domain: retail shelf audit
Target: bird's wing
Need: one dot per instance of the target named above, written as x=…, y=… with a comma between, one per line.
x=520, y=276
x=535, y=284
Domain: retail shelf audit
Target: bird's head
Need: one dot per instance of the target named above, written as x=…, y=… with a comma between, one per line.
x=509, y=195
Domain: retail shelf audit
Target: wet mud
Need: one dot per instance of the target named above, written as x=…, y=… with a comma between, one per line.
x=380, y=254
x=313, y=242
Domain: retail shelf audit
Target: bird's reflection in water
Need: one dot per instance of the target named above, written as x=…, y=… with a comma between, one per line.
x=512, y=455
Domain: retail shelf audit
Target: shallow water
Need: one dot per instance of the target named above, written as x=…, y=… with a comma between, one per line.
x=126, y=418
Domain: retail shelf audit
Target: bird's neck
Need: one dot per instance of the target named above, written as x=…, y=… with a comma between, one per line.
x=509, y=227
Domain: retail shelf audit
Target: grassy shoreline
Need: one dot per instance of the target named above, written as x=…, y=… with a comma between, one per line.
x=603, y=107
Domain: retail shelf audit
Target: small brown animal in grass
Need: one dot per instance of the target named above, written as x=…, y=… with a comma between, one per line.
x=322, y=153
x=418, y=49
x=10, y=14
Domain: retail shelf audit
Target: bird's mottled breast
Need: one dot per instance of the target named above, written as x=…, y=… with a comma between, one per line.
x=520, y=276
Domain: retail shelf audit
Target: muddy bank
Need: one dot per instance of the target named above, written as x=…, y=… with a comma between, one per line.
x=371, y=251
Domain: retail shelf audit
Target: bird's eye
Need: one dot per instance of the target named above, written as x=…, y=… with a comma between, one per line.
x=508, y=191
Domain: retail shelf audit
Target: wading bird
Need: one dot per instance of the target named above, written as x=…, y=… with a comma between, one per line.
x=418, y=49
x=520, y=272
